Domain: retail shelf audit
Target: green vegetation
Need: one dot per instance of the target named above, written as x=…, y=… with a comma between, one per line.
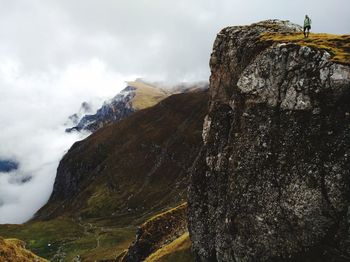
x=44, y=237
x=93, y=240
x=103, y=243
x=101, y=199
x=178, y=250
x=13, y=250
x=64, y=237
x=337, y=45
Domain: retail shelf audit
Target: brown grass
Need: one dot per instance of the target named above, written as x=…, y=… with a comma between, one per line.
x=146, y=95
x=165, y=225
x=13, y=250
x=160, y=230
x=178, y=250
x=337, y=45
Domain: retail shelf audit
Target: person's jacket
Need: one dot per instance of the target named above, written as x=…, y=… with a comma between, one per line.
x=307, y=22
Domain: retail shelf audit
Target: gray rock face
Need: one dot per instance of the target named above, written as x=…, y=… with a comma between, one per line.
x=74, y=119
x=272, y=181
x=111, y=111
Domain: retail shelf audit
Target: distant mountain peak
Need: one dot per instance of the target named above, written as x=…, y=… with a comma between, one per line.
x=136, y=96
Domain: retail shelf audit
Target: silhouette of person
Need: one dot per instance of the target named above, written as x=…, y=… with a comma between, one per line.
x=307, y=26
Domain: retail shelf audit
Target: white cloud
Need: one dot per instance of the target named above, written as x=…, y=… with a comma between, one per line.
x=33, y=110
x=123, y=34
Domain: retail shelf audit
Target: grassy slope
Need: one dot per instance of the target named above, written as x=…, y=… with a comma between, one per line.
x=163, y=236
x=141, y=164
x=146, y=95
x=91, y=241
x=45, y=237
x=178, y=250
x=158, y=231
x=337, y=45
x=13, y=250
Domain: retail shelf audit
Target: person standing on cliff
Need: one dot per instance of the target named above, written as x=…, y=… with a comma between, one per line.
x=307, y=26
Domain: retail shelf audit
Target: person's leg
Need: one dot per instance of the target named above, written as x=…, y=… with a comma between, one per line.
x=308, y=32
x=304, y=31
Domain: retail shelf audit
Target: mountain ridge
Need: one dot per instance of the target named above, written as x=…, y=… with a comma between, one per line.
x=98, y=144
x=136, y=96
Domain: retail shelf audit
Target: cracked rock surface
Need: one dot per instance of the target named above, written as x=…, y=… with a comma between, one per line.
x=272, y=181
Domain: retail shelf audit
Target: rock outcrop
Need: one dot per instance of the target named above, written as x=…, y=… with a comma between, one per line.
x=74, y=120
x=272, y=181
x=157, y=232
x=14, y=250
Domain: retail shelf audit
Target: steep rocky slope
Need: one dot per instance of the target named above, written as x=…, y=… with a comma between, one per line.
x=136, y=96
x=13, y=250
x=133, y=166
x=157, y=232
x=272, y=180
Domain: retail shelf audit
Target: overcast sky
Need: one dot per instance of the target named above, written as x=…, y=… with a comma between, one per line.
x=149, y=37
x=54, y=54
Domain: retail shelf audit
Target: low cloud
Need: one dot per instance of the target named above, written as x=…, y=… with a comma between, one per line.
x=33, y=110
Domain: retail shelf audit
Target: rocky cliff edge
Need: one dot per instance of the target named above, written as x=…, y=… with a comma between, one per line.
x=272, y=180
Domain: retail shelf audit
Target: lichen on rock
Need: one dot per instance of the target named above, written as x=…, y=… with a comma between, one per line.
x=272, y=181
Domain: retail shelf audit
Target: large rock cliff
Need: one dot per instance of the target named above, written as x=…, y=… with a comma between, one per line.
x=271, y=182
